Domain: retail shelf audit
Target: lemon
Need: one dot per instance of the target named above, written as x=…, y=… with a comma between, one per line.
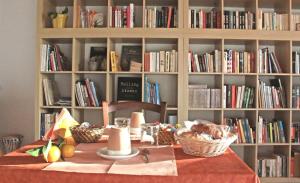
x=54, y=154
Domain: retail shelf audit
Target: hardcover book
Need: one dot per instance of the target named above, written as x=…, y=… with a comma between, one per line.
x=130, y=54
x=129, y=88
x=98, y=54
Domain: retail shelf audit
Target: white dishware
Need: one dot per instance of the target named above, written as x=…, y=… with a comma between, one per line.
x=103, y=152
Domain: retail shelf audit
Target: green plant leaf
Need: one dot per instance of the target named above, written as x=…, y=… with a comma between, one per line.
x=46, y=150
x=35, y=152
x=65, y=11
x=60, y=142
x=52, y=15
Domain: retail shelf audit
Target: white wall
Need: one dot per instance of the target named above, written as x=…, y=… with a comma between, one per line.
x=17, y=67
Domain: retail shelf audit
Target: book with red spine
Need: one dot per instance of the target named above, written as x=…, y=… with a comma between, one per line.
x=91, y=97
x=52, y=62
x=169, y=16
x=58, y=57
x=147, y=62
x=128, y=17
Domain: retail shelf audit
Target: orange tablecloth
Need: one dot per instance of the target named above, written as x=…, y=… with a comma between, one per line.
x=18, y=167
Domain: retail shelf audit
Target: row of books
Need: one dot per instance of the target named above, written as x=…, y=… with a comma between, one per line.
x=90, y=18
x=52, y=96
x=207, y=62
x=271, y=96
x=161, y=17
x=268, y=62
x=122, y=16
x=152, y=93
x=295, y=19
x=272, y=166
x=238, y=96
x=161, y=61
x=296, y=62
x=86, y=95
x=202, y=97
x=239, y=61
x=52, y=59
x=295, y=132
x=47, y=121
x=241, y=126
x=296, y=97
x=204, y=19
x=271, y=131
x=239, y=20
x=272, y=21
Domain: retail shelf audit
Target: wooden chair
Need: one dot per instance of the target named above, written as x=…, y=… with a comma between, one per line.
x=113, y=107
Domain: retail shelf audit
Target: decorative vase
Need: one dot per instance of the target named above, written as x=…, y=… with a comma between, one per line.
x=93, y=66
x=60, y=21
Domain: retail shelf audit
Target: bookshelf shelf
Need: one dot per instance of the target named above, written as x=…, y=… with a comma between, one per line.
x=57, y=72
x=161, y=73
x=205, y=109
x=55, y=107
x=242, y=145
x=273, y=144
x=88, y=108
x=75, y=43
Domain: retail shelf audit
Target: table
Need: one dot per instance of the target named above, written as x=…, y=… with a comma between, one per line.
x=18, y=167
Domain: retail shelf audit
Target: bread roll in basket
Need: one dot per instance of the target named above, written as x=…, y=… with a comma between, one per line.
x=203, y=147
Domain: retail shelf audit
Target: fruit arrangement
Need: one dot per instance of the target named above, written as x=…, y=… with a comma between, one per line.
x=64, y=146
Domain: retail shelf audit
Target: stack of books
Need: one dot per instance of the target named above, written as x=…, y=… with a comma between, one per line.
x=296, y=62
x=239, y=61
x=296, y=97
x=272, y=21
x=295, y=132
x=268, y=62
x=238, y=96
x=122, y=16
x=52, y=59
x=161, y=61
x=202, y=97
x=239, y=20
x=295, y=18
x=271, y=131
x=47, y=121
x=272, y=96
x=152, y=93
x=272, y=166
x=161, y=17
x=86, y=95
x=207, y=62
x=201, y=19
x=241, y=126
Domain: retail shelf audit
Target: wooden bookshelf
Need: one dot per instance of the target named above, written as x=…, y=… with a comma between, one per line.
x=75, y=43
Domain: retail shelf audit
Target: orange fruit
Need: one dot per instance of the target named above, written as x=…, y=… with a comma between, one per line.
x=67, y=150
x=54, y=154
x=70, y=140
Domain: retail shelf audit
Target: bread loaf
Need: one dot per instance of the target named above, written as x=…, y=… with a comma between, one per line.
x=215, y=131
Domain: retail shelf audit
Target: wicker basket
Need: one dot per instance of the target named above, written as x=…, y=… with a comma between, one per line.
x=203, y=148
x=86, y=135
x=166, y=137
